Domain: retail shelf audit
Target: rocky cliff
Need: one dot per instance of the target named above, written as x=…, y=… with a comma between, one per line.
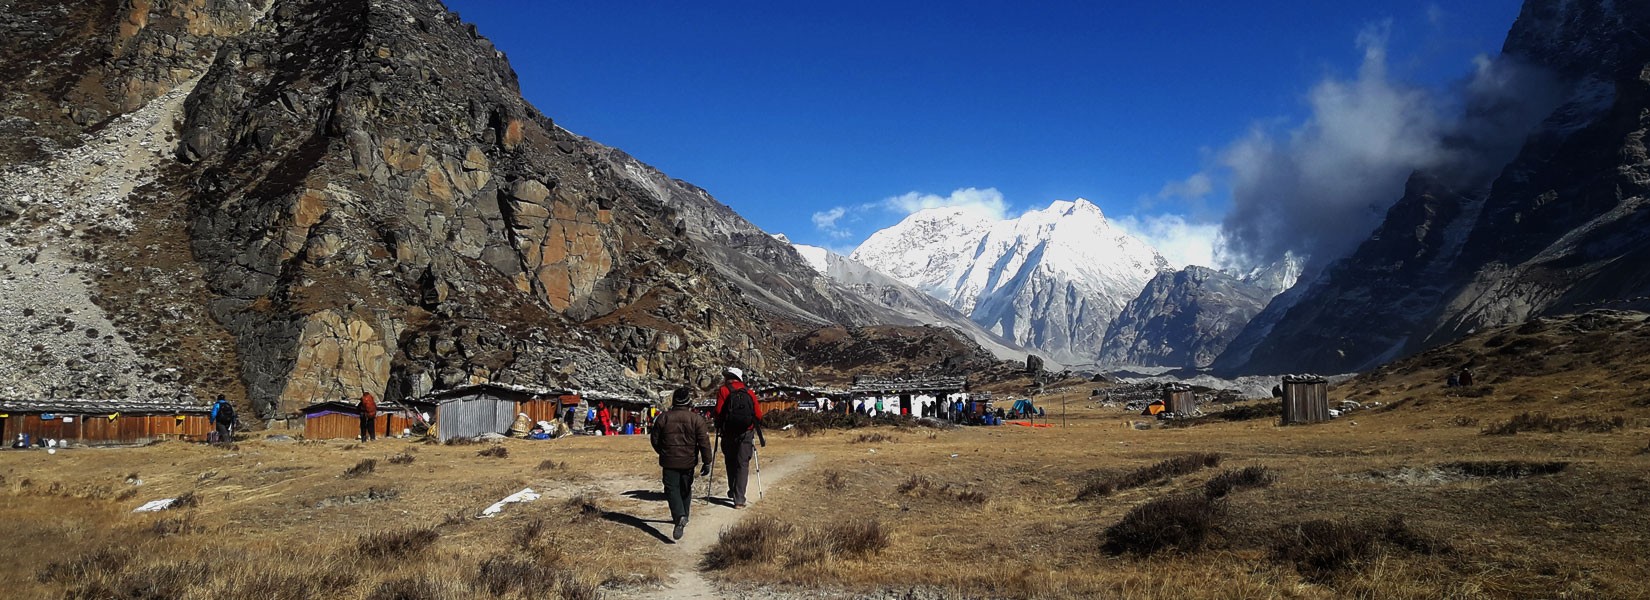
x=316, y=198
x=1560, y=227
x=1182, y=319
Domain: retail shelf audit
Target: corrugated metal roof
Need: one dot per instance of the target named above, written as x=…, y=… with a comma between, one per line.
x=77, y=406
x=497, y=389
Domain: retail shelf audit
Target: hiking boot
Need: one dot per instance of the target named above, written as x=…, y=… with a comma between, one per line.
x=681, y=524
x=739, y=506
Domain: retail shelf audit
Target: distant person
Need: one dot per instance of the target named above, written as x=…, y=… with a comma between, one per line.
x=1277, y=392
x=604, y=418
x=369, y=415
x=568, y=416
x=682, y=439
x=739, y=419
x=223, y=420
x=1453, y=380
x=1466, y=376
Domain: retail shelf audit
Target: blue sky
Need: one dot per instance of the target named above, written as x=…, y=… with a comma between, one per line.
x=791, y=113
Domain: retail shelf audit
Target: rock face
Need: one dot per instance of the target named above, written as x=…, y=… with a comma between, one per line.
x=1050, y=280
x=323, y=198
x=1182, y=319
x=1561, y=227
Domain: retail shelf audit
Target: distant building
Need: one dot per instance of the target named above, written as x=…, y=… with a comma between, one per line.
x=779, y=396
x=915, y=397
x=1305, y=399
x=472, y=410
x=94, y=422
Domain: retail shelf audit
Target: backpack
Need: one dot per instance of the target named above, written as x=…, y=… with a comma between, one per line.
x=224, y=413
x=739, y=410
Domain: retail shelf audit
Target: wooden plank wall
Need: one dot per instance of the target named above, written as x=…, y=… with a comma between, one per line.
x=340, y=426
x=1305, y=402
x=1180, y=402
x=100, y=429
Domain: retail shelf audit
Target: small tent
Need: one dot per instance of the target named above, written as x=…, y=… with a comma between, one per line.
x=1024, y=407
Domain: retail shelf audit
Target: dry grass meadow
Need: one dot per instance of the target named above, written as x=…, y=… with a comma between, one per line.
x=1426, y=496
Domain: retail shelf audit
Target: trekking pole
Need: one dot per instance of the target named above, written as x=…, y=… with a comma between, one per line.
x=712, y=475
x=757, y=455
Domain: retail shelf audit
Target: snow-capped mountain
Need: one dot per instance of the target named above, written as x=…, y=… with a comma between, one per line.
x=907, y=301
x=1052, y=279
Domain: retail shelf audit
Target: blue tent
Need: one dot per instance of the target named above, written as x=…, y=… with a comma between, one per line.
x=1024, y=407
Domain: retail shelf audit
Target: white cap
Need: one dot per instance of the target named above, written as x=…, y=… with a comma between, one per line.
x=736, y=372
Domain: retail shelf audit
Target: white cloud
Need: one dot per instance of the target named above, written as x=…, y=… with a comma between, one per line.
x=1181, y=242
x=987, y=202
x=1191, y=188
x=826, y=222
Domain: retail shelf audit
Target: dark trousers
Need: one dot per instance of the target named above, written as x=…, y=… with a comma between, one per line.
x=678, y=491
x=368, y=432
x=224, y=434
x=737, y=451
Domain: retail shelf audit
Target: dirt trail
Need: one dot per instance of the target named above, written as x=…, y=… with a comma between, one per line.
x=708, y=520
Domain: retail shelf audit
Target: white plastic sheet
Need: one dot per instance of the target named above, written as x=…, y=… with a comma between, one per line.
x=525, y=495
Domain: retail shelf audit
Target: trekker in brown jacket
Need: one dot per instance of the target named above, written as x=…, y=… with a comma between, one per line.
x=682, y=439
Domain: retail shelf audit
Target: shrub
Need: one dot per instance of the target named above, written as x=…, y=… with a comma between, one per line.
x=1541, y=421
x=1320, y=549
x=364, y=467
x=1161, y=471
x=504, y=575
x=1504, y=469
x=495, y=452
x=401, y=459
x=1237, y=480
x=396, y=544
x=551, y=465
x=1180, y=523
x=462, y=441
x=754, y=540
x=422, y=587
x=189, y=499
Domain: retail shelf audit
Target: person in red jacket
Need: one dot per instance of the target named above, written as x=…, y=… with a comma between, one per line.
x=369, y=415
x=739, y=422
x=605, y=418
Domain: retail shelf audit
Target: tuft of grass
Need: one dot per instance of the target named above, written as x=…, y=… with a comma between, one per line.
x=1242, y=412
x=365, y=467
x=495, y=452
x=755, y=540
x=856, y=539
x=396, y=544
x=1180, y=523
x=169, y=526
x=1321, y=549
x=585, y=507
x=85, y=566
x=1235, y=480
x=923, y=487
x=401, y=459
x=529, y=535
x=876, y=437
x=551, y=465
x=504, y=576
x=1162, y=471
x=420, y=587
x=1540, y=421
x=189, y=499
x=462, y=441
x=835, y=480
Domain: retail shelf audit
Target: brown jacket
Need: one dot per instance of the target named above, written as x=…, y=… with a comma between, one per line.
x=682, y=439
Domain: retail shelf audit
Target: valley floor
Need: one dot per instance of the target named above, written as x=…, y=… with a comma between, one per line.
x=1415, y=502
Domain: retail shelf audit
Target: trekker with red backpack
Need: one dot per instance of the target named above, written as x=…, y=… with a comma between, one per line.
x=738, y=419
